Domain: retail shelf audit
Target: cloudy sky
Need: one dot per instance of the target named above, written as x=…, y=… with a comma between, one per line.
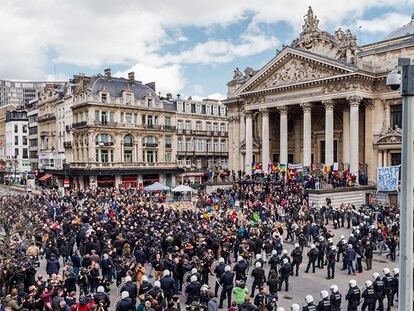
x=187, y=46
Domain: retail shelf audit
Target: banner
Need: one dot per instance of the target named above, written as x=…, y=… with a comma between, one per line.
x=298, y=167
x=387, y=178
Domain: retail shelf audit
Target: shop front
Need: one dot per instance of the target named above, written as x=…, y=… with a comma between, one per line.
x=106, y=181
x=148, y=179
x=129, y=181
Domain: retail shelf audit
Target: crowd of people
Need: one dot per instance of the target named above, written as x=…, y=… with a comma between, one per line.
x=229, y=251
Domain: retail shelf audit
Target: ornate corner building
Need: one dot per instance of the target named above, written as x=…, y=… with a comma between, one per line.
x=321, y=100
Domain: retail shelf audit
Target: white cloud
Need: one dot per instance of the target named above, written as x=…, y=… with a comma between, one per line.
x=217, y=96
x=98, y=33
x=198, y=88
x=383, y=24
x=167, y=78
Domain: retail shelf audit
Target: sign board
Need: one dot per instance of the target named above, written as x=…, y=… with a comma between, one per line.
x=387, y=178
x=66, y=183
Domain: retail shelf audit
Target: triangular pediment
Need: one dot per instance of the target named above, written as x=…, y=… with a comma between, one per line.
x=294, y=66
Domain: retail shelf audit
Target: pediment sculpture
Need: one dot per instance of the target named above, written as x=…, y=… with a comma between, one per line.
x=296, y=70
x=390, y=135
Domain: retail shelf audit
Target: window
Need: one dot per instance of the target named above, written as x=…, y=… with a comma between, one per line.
x=215, y=110
x=222, y=127
x=150, y=156
x=180, y=107
x=188, y=145
x=104, y=117
x=167, y=121
x=208, y=126
x=198, y=108
x=187, y=107
x=198, y=164
x=103, y=139
x=187, y=124
x=168, y=142
x=216, y=146
x=209, y=146
x=16, y=128
x=24, y=128
x=179, y=144
x=396, y=116
x=180, y=124
x=128, y=140
x=104, y=97
x=128, y=156
x=168, y=157
x=198, y=125
x=24, y=140
x=25, y=154
x=208, y=109
x=16, y=140
x=16, y=152
x=215, y=127
x=223, y=146
x=128, y=118
x=199, y=145
x=149, y=102
x=222, y=111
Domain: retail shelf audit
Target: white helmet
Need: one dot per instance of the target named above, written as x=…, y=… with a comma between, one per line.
x=258, y=265
x=280, y=309
x=285, y=260
x=334, y=288
x=396, y=271
x=295, y=307
x=386, y=270
x=352, y=283
x=100, y=289
x=342, y=237
x=368, y=283
x=166, y=273
x=321, y=238
x=313, y=246
x=333, y=247
x=193, y=279
x=240, y=258
x=258, y=256
x=227, y=268
x=124, y=294
x=351, y=235
x=284, y=252
x=329, y=240
x=349, y=246
x=193, y=271
x=274, y=252
x=158, y=284
x=324, y=294
x=221, y=260
x=308, y=299
x=144, y=278
x=375, y=275
x=297, y=245
x=128, y=278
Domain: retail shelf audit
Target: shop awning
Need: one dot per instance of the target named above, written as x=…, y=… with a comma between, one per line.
x=156, y=187
x=45, y=177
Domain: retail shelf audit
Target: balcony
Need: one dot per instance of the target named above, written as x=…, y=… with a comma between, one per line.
x=46, y=117
x=150, y=145
x=67, y=128
x=104, y=143
x=128, y=145
x=168, y=146
x=105, y=124
x=44, y=133
x=67, y=144
x=118, y=165
x=77, y=125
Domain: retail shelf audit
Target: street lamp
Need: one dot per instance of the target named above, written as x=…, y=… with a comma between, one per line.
x=15, y=168
x=403, y=78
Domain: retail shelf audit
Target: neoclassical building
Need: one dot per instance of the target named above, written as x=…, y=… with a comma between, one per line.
x=323, y=99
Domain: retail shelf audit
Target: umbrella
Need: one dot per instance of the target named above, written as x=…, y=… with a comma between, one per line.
x=182, y=188
x=156, y=187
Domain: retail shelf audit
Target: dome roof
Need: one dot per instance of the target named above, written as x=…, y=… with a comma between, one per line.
x=405, y=30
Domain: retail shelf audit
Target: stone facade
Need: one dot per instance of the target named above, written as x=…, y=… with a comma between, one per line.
x=320, y=100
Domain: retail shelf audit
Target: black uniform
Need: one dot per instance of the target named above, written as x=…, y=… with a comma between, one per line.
x=284, y=273
x=259, y=278
x=369, y=299
x=219, y=271
x=395, y=287
x=309, y=307
x=167, y=285
x=296, y=260
x=226, y=282
x=193, y=292
x=388, y=287
x=331, y=263
x=312, y=256
x=240, y=268
x=336, y=299
x=354, y=297
x=324, y=305
x=379, y=293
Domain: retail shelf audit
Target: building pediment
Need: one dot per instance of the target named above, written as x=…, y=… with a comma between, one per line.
x=294, y=66
x=389, y=136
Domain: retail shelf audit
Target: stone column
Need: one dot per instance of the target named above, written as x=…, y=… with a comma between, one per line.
x=345, y=136
x=379, y=161
x=242, y=136
x=265, y=139
x=237, y=143
x=369, y=157
x=231, y=143
x=329, y=131
x=387, y=114
x=354, y=102
x=307, y=134
x=283, y=157
x=385, y=158
x=249, y=143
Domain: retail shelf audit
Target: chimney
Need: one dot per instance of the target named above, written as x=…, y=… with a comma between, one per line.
x=151, y=85
x=169, y=96
x=131, y=76
x=107, y=72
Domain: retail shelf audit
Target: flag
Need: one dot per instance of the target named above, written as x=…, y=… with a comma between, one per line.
x=255, y=216
x=335, y=166
x=282, y=166
x=327, y=168
x=289, y=175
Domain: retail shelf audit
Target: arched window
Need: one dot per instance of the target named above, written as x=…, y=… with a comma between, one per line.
x=150, y=141
x=104, y=140
x=128, y=140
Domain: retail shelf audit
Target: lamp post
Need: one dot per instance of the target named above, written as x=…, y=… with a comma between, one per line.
x=405, y=299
